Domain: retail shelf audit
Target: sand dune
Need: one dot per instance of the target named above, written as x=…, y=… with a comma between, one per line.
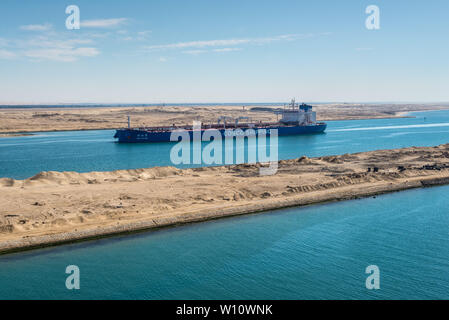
x=56, y=207
x=75, y=178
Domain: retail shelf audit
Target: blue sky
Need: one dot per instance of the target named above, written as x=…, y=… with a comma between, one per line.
x=152, y=51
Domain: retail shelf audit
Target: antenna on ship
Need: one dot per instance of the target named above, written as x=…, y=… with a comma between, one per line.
x=293, y=104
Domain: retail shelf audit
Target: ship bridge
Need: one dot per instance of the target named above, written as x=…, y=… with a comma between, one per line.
x=296, y=114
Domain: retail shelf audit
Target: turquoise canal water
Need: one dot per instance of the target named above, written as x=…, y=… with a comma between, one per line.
x=84, y=151
x=316, y=252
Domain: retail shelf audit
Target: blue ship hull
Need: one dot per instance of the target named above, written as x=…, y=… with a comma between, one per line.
x=143, y=136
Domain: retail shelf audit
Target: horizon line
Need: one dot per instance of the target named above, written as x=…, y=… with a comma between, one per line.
x=3, y=104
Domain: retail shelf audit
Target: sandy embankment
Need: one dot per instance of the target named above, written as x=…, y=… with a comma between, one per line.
x=60, y=119
x=57, y=207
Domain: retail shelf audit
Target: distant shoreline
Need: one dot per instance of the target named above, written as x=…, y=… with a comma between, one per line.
x=33, y=133
x=199, y=104
x=15, y=134
x=138, y=105
x=33, y=120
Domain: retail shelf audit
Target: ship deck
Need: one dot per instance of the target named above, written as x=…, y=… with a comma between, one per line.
x=265, y=125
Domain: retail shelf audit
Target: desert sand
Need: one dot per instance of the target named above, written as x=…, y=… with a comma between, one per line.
x=57, y=207
x=60, y=119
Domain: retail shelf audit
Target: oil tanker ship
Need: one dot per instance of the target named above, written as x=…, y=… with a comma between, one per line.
x=295, y=120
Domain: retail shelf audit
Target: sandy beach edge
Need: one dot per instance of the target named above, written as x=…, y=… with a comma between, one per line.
x=339, y=194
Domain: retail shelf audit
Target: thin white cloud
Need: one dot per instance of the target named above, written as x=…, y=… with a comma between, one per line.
x=134, y=36
x=200, y=44
x=227, y=49
x=100, y=35
x=194, y=52
x=162, y=59
x=229, y=42
x=103, y=23
x=220, y=50
x=36, y=27
x=61, y=54
x=138, y=36
x=70, y=50
x=51, y=46
x=363, y=49
x=144, y=33
x=5, y=54
x=46, y=42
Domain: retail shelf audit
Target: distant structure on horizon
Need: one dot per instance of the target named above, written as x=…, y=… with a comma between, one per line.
x=295, y=119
